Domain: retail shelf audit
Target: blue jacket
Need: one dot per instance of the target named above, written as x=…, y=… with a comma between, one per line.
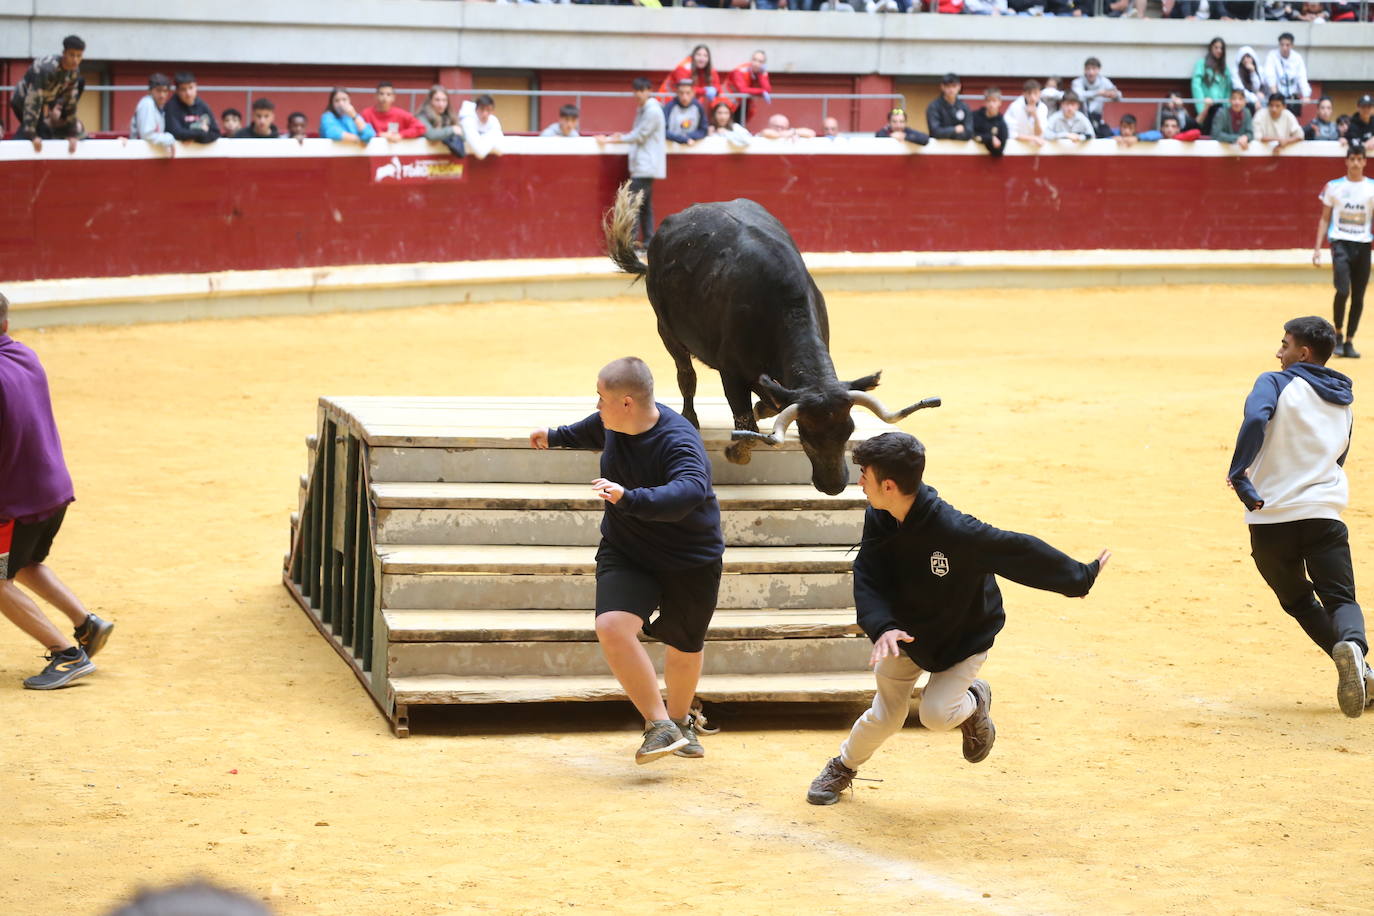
x=334, y=127
x=668, y=517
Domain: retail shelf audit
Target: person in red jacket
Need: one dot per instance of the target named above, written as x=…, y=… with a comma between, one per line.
x=750, y=80
x=696, y=67
x=389, y=121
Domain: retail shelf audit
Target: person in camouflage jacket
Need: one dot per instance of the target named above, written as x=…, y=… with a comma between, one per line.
x=45, y=99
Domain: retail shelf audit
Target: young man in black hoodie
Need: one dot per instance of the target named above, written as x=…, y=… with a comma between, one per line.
x=188, y=118
x=661, y=548
x=926, y=595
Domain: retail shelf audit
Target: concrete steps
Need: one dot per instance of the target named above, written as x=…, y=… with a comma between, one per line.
x=489, y=625
x=822, y=686
x=451, y=563
x=568, y=514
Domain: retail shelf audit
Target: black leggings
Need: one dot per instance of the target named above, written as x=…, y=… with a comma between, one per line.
x=1350, y=270
x=646, y=207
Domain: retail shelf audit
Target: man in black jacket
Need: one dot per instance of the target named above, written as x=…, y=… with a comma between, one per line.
x=188, y=118
x=661, y=548
x=946, y=116
x=924, y=577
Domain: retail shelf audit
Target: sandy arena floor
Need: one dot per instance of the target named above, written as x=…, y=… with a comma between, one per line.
x=1171, y=744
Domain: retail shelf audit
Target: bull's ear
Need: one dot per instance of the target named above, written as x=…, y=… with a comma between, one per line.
x=867, y=383
x=780, y=395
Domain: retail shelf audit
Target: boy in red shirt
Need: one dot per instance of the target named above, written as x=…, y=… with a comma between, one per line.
x=388, y=120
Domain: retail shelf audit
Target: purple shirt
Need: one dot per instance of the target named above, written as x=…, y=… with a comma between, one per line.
x=34, y=482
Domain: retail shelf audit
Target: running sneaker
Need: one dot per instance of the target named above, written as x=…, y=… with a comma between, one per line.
x=979, y=732
x=62, y=668
x=1350, y=686
x=661, y=738
x=1348, y=351
x=827, y=788
x=93, y=633
x=693, y=748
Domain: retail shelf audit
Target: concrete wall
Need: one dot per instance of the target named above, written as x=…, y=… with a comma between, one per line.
x=118, y=210
x=444, y=33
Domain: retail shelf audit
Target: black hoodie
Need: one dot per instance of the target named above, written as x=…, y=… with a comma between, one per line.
x=932, y=575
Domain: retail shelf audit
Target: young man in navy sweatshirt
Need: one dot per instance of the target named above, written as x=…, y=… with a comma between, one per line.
x=1288, y=471
x=926, y=594
x=35, y=489
x=661, y=548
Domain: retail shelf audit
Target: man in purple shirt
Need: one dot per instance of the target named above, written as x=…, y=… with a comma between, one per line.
x=35, y=489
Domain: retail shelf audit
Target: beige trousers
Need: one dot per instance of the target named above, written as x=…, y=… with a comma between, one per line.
x=945, y=704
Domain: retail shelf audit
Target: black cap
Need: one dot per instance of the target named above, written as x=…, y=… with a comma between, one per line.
x=949, y=78
x=1365, y=99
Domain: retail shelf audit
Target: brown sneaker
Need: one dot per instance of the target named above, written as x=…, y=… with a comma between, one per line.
x=661, y=738
x=834, y=779
x=979, y=732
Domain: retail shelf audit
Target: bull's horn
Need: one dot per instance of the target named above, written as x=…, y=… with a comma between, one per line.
x=864, y=399
x=779, y=434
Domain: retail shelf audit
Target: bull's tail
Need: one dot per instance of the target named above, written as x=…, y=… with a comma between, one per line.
x=619, y=226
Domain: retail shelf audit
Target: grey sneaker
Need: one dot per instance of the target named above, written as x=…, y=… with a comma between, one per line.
x=834, y=779
x=661, y=738
x=693, y=748
x=1368, y=686
x=1348, y=350
x=979, y=732
x=61, y=670
x=1350, y=686
x=93, y=634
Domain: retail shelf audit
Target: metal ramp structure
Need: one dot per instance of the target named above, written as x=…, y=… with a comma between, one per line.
x=449, y=563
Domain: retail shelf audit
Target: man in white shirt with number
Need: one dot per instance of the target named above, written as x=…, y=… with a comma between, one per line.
x=1347, y=204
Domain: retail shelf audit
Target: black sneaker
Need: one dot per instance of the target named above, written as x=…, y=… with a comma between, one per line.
x=661, y=738
x=62, y=669
x=834, y=779
x=693, y=748
x=1348, y=351
x=1350, y=686
x=93, y=634
x=979, y=732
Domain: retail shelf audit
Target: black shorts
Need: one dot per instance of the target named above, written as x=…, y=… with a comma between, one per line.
x=26, y=544
x=684, y=598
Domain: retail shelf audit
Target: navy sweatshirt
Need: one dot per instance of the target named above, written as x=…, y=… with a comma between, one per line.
x=668, y=517
x=932, y=575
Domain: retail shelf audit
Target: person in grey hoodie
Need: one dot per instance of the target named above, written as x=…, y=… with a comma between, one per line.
x=1288, y=470
x=150, y=120
x=648, y=153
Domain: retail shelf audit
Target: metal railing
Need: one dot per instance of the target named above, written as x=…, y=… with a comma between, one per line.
x=415, y=97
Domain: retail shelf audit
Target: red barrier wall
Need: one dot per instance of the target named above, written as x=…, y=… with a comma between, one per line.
x=116, y=217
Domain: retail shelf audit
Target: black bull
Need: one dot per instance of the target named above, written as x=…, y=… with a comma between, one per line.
x=729, y=287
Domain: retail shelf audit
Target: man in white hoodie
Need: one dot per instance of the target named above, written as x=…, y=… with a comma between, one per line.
x=1288, y=470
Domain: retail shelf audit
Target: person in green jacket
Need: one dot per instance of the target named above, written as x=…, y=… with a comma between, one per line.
x=1211, y=83
x=1234, y=125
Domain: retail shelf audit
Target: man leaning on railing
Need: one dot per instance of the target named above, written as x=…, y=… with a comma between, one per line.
x=45, y=99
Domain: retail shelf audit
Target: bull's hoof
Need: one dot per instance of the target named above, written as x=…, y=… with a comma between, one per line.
x=738, y=453
x=763, y=411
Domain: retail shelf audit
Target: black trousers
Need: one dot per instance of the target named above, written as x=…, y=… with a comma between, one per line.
x=1350, y=272
x=1288, y=553
x=646, y=207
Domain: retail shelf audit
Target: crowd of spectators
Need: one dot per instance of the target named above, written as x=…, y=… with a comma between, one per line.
x=1237, y=99
x=1266, y=10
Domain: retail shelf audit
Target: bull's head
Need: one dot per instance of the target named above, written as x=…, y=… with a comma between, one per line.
x=824, y=424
